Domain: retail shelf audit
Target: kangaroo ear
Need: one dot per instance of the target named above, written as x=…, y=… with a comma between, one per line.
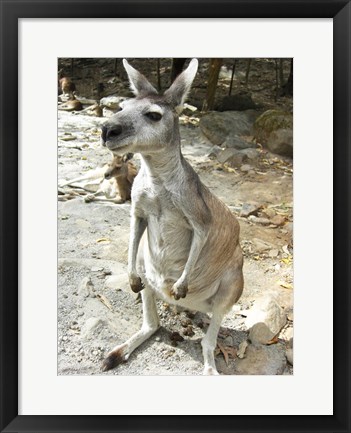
x=138, y=83
x=177, y=93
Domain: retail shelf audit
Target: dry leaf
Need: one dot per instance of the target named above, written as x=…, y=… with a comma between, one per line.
x=105, y=301
x=226, y=351
x=285, y=285
x=274, y=340
x=287, y=260
x=107, y=240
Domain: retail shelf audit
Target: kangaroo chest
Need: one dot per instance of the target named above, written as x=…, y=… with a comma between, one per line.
x=158, y=205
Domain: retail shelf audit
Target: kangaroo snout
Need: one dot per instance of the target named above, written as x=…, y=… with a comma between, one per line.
x=110, y=132
x=108, y=174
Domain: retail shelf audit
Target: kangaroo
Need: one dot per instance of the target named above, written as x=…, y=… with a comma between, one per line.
x=66, y=84
x=124, y=171
x=184, y=242
x=71, y=105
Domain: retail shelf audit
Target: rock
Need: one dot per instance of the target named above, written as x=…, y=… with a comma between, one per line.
x=269, y=121
x=260, y=333
x=237, y=143
x=214, y=152
x=217, y=127
x=281, y=142
x=239, y=101
x=91, y=326
x=235, y=158
x=259, y=220
x=242, y=349
x=228, y=341
x=278, y=220
x=260, y=246
x=274, y=129
x=111, y=102
x=290, y=356
x=273, y=253
x=263, y=360
x=250, y=153
x=227, y=154
x=291, y=343
x=246, y=168
x=290, y=314
x=85, y=287
x=267, y=310
x=249, y=209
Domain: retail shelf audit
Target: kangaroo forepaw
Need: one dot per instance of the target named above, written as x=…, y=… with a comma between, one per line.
x=136, y=284
x=179, y=291
x=114, y=358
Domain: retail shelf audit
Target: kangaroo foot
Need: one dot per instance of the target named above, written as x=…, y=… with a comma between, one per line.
x=136, y=284
x=115, y=357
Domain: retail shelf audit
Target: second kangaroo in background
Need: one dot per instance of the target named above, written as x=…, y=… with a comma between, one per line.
x=184, y=242
x=124, y=171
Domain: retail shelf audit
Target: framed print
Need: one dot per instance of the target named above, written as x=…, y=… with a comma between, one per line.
x=51, y=377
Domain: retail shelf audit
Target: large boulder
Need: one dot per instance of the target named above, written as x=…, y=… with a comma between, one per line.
x=266, y=310
x=112, y=102
x=235, y=157
x=228, y=126
x=239, y=101
x=262, y=360
x=281, y=142
x=274, y=130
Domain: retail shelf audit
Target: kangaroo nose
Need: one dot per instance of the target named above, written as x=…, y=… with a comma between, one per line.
x=110, y=132
x=114, y=131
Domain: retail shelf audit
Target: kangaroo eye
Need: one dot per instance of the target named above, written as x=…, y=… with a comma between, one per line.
x=152, y=115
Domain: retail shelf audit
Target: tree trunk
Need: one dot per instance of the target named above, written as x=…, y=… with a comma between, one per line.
x=288, y=88
x=177, y=67
x=232, y=78
x=214, y=68
x=158, y=75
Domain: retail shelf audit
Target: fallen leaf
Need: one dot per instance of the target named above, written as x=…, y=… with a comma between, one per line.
x=285, y=285
x=107, y=240
x=229, y=169
x=273, y=341
x=105, y=301
x=68, y=138
x=226, y=351
x=287, y=260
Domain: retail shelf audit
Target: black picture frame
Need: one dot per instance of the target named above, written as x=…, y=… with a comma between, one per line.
x=11, y=11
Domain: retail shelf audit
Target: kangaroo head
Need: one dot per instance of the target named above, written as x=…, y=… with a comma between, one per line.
x=148, y=123
x=116, y=168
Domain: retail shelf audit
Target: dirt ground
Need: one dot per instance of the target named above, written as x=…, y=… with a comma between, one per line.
x=96, y=308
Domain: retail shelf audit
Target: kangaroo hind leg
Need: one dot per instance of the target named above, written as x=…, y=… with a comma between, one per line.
x=150, y=325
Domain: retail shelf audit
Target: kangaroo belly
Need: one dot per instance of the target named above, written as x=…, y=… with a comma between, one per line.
x=168, y=246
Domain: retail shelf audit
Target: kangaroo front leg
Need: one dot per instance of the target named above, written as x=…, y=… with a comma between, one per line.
x=150, y=325
x=180, y=287
x=137, y=228
x=209, y=343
